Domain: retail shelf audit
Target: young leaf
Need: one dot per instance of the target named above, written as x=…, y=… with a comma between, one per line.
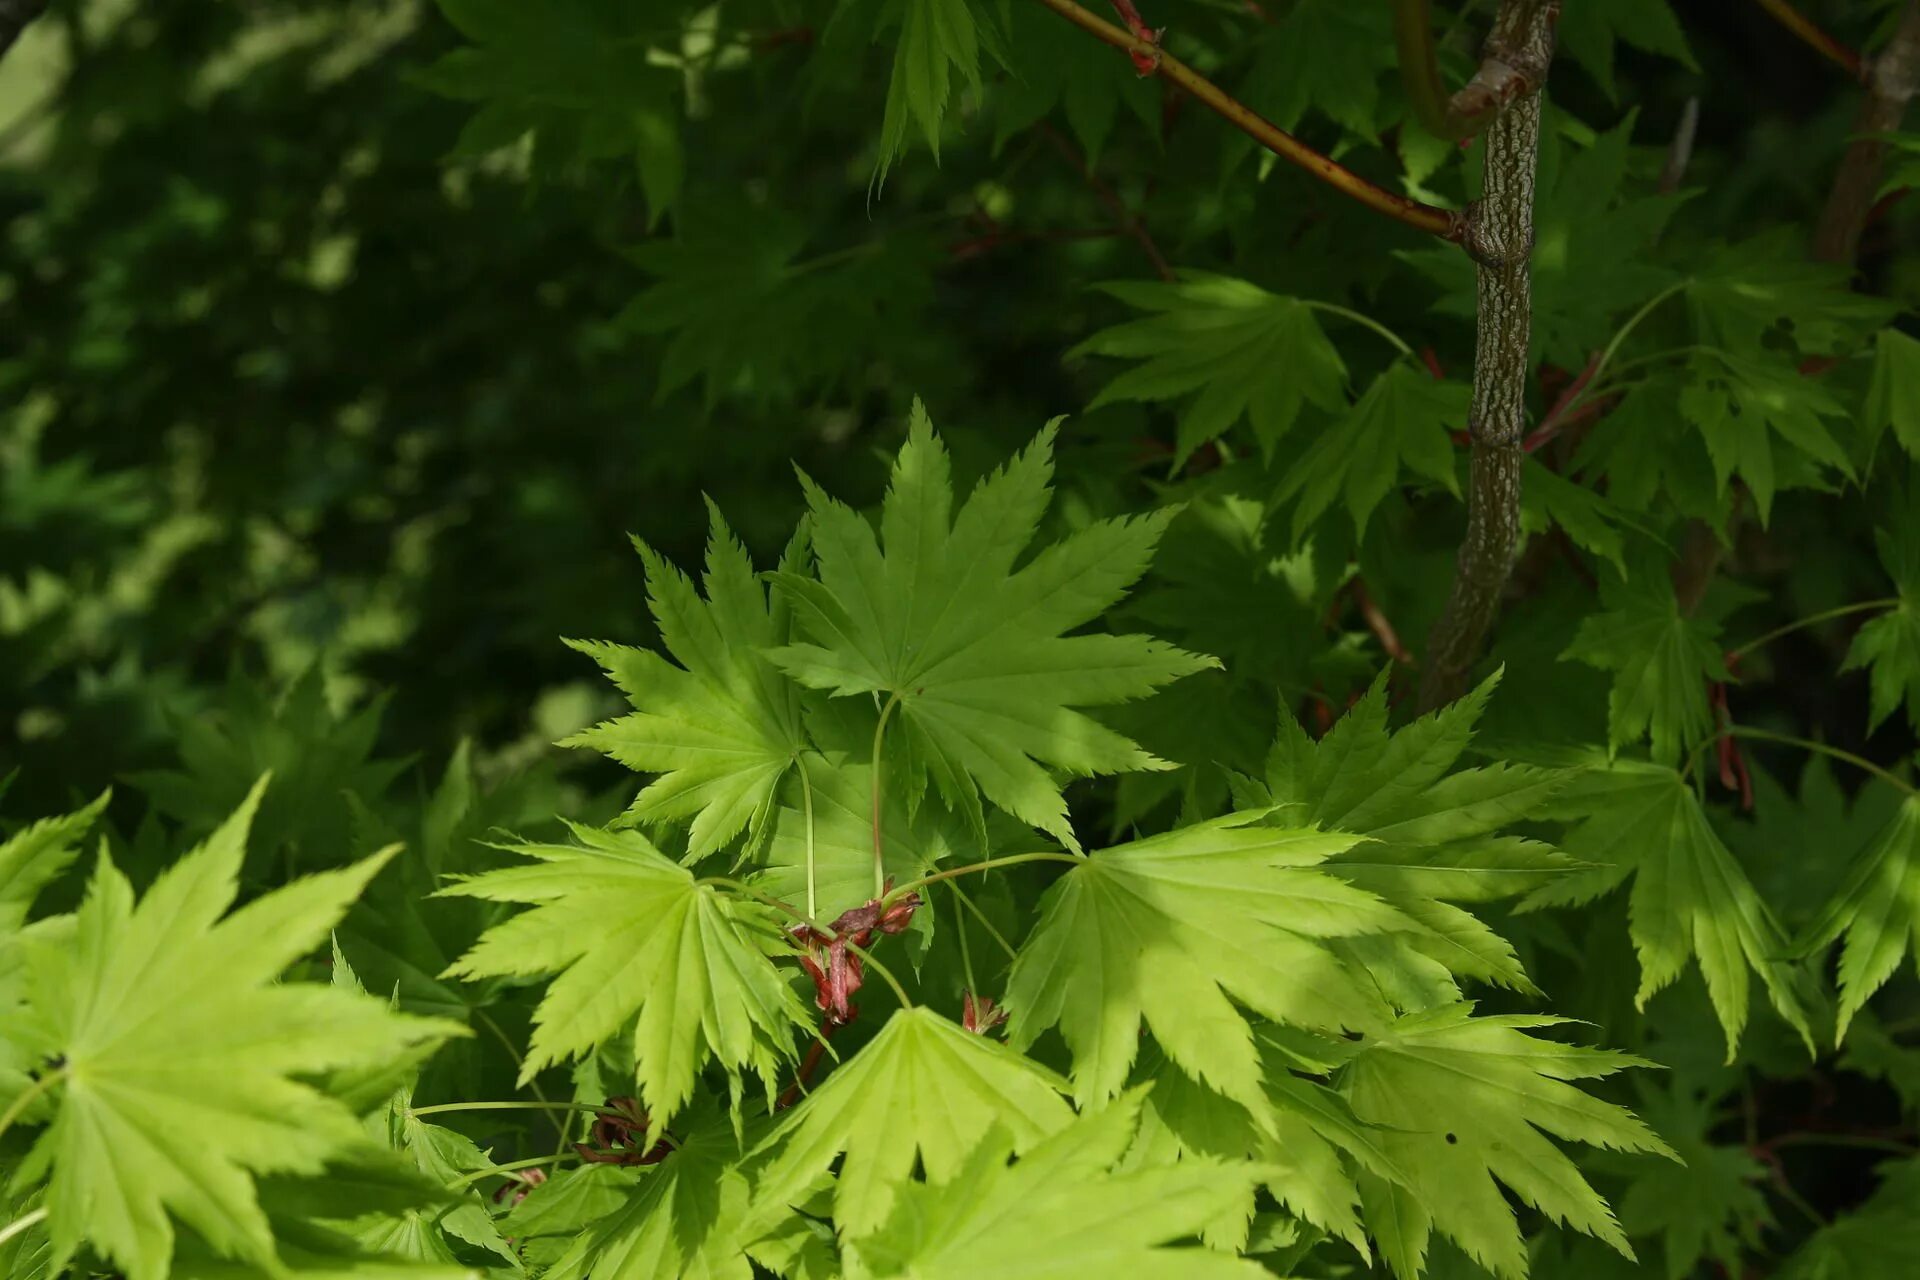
x=1170, y=931
x=1246, y=353
x=1690, y=898
x=1877, y=911
x=638, y=945
x=1400, y=423
x=1661, y=659
x=1464, y=1101
x=1889, y=645
x=179, y=1053
x=723, y=727
x=933, y=619
x=1062, y=1211
x=31, y=858
x=937, y=39
x=875, y=1109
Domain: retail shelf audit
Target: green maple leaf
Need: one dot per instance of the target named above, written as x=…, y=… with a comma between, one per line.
x=874, y=1109
x=1690, y=897
x=1893, y=397
x=180, y=1052
x=1308, y=1145
x=940, y=40
x=1237, y=350
x=577, y=76
x=31, y=858
x=1590, y=521
x=933, y=619
x=1464, y=1101
x=1062, y=1211
x=1431, y=836
x=1708, y=1206
x=1741, y=404
x=1169, y=932
x=1878, y=1241
x=1589, y=36
x=1643, y=451
x=1054, y=64
x=1323, y=56
x=1889, y=645
x=723, y=727
x=1744, y=292
x=1877, y=910
x=638, y=944
x=1661, y=658
x=1400, y=423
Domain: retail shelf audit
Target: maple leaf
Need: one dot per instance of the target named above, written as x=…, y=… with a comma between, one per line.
x=1877, y=910
x=1322, y=56
x=179, y=1050
x=1430, y=837
x=1062, y=1211
x=1402, y=421
x=933, y=618
x=1246, y=353
x=1464, y=1101
x=1590, y=521
x=1893, y=397
x=1878, y=1241
x=1740, y=404
x=873, y=1110
x=1743, y=292
x=723, y=727
x=1054, y=64
x=1589, y=36
x=1708, y=1206
x=1307, y=1146
x=745, y=313
x=31, y=858
x=938, y=38
x=1172, y=930
x=1690, y=898
x=577, y=77
x=1889, y=645
x=638, y=945
x=1661, y=658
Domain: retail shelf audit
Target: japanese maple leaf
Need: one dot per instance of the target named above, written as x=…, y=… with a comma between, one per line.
x=922, y=1090
x=1690, y=899
x=1877, y=910
x=1889, y=645
x=1466, y=1101
x=933, y=620
x=1064, y=1210
x=1172, y=933
x=723, y=727
x=639, y=945
x=181, y=1057
x=1433, y=834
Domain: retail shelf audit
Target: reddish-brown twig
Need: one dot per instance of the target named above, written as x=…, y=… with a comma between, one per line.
x=1810, y=32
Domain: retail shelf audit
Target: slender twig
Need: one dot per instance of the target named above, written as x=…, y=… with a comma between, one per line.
x=808, y=1065
x=1805, y=744
x=1892, y=76
x=1127, y=222
x=1862, y=1142
x=1432, y=219
x=1377, y=622
x=1812, y=620
x=1500, y=237
x=24, y=1222
x=531, y=1162
x=1347, y=313
x=1680, y=150
x=1815, y=38
x=991, y=864
x=513, y=1051
x=439, y=1108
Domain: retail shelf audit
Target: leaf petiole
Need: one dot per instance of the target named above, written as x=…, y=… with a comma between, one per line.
x=24, y=1222
x=989, y=865
x=27, y=1096
x=1812, y=620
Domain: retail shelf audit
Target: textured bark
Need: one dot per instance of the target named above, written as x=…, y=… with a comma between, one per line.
x=14, y=17
x=1500, y=238
x=1891, y=77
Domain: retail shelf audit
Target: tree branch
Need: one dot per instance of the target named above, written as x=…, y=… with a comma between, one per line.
x=1891, y=76
x=1494, y=85
x=1500, y=237
x=14, y=17
x=1811, y=34
x=1152, y=59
